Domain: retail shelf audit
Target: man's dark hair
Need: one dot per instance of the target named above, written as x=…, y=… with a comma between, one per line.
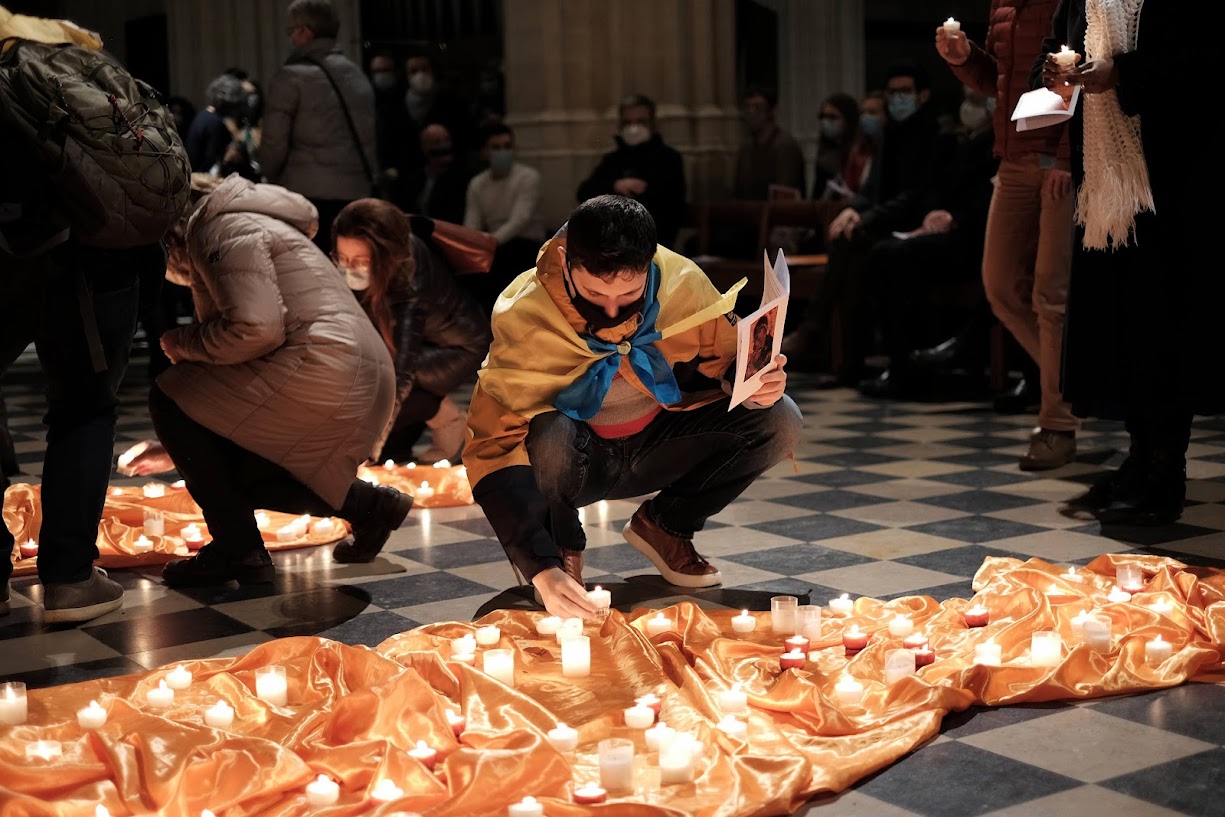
x=637, y=101
x=318, y=15
x=916, y=72
x=493, y=129
x=768, y=94
x=236, y=72
x=608, y=235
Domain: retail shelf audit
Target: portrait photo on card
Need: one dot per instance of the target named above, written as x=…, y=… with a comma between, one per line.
x=759, y=341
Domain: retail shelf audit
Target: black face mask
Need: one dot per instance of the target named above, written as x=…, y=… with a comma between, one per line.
x=595, y=316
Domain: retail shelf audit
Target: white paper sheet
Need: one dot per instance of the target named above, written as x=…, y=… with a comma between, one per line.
x=1043, y=108
x=759, y=336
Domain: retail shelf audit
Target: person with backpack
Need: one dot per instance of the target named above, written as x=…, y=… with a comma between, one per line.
x=81, y=217
x=319, y=131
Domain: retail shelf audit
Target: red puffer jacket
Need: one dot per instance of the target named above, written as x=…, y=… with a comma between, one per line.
x=1000, y=68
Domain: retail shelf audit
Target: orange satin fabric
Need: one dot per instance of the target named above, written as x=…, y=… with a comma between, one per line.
x=123, y=520
x=431, y=486
x=353, y=712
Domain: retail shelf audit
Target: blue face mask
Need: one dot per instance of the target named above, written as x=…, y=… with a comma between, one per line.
x=902, y=106
x=870, y=125
x=831, y=129
x=500, y=161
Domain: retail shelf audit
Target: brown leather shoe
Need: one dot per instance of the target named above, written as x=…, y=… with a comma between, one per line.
x=673, y=556
x=1049, y=449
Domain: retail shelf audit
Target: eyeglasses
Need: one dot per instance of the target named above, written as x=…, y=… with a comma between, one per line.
x=292, y=30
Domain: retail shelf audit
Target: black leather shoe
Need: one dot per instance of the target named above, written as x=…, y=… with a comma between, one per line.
x=1024, y=395
x=1160, y=501
x=374, y=512
x=942, y=354
x=1122, y=486
x=210, y=567
x=889, y=385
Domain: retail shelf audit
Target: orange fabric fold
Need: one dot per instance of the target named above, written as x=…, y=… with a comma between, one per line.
x=353, y=712
x=431, y=486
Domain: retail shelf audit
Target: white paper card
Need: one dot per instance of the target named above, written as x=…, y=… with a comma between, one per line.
x=1043, y=108
x=759, y=337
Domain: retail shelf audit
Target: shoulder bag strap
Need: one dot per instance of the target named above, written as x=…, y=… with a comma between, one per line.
x=344, y=107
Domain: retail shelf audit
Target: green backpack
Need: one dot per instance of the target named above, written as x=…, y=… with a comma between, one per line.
x=117, y=167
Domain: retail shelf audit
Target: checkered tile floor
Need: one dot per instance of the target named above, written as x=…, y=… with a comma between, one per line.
x=890, y=499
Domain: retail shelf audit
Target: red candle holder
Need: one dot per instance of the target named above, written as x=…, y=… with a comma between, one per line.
x=792, y=660
x=977, y=617
x=924, y=656
x=854, y=640
x=915, y=642
x=797, y=643
x=651, y=701
x=589, y=795
x=28, y=550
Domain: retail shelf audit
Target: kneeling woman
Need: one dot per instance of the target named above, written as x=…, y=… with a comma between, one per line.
x=436, y=333
x=277, y=393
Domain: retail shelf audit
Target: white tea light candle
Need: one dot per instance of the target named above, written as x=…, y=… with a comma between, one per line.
x=1118, y=595
x=527, y=807
x=178, y=678
x=1065, y=57
x=988, y=653
x=744, y=623
x=322, y=791
x=639, y=717
x=160, y=697
x=1045, y=649
x=898, y=664
x=424, y=753
x=733, y=701
x=617, y=764
x=952, y=27
x=548, y=625
x=848, y=691
x=500, y=665
x=658, y=735
x=45, y=750
x=271, y=685
x=900, y=626
x=219, y=716
x=92, y=716
x=1157, y=650
x=563, y=738
x=385, y=791
x=488, y=636
x=1098, y=632
x=733, y=727
x=600, y=598
x=841, y=606
x=659, y=624
x=576, y=657
x=570, y=628
x=143, y=544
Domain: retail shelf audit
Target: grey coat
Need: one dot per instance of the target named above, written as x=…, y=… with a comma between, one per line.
x=282, y=359
x=306, y=145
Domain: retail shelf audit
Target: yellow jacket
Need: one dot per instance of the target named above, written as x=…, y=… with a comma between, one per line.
x=41, y=30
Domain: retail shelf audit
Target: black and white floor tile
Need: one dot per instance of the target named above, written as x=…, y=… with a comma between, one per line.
x=883, y=499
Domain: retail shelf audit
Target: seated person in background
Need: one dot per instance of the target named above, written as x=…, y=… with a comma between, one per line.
x=943, y=251
x=839, y=133
x=277, y=394
x=208, y=136
x=769, y=155
x=642, y=167
x=505, y=200
x=607, y=379
x=429, y=101
x=436, y=335
x=437, y=188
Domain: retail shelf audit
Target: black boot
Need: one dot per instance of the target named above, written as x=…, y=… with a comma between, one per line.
x=1122, y=486
x=1160, y=491
x=1024, y=394
x=211, y=567
x=374, y=511
x=1160, y=501
x=893, y=383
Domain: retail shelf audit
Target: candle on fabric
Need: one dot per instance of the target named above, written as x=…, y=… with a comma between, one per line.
x=657, y=736
x=101, y=811
x=424, y=492
x=924, y=656
x=153, y=490
x=116, y=492
x=809, y=621
x=733, y=727
x=797, y=643
x=179, y=484
x=1157, y=650
x=639, y=716
x=842, y=606
x=468, y=658
x=563, y=738
x=261, y=520
x=792, y=660
x=45, y=750
x=601, y=599
x=271, y=685
x=676, y=764
x=160, y=697
x=425, y=754
x=1045, y=649
x=179, y=678
x=733, y=701
x=500, y=665
x=977, y=616
x=1162, y=607
x=219, y=716
x=1130, y=577
x=457, y=721
x=576, y=657
x=1073, y=575
x=385, y=791
x=848, y=691
x=143, y=544
x=744, y=623
x=1098, y=632
x=570, y=628
x=322, y=791
x=1065, y=57
x=589, y=794
x=463, y=644
x=191, y=533
x=651, y=701
x=443, y=464
x=28, y=549
x=1118, y=595
x=155, y=522
x=548, y=625
x=900, y=626
x=617, y=764
x=323, y=528
x=527, y=807
x=988, y=653
x=914, y=641
x=488, y=636
x=898, y=664
x=389, y=465
x=92, y=716
x=784, y=614
x=854, y=640
x=1078, y=625
x=952, y=27
x=659, y=624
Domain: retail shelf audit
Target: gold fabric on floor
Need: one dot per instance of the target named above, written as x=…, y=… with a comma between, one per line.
x=354, y=712
x=431, y=486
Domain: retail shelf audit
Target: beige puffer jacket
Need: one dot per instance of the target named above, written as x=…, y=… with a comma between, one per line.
x=282, y=360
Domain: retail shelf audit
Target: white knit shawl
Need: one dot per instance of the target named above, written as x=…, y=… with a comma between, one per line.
x=1116, y=186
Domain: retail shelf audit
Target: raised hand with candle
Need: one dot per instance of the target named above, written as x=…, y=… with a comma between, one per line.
x=953, y=47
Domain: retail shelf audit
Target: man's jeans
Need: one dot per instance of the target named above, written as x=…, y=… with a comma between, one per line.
x=698, y=460
x=39, y=303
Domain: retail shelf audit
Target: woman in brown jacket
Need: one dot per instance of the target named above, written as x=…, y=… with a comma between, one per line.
x=278, y=391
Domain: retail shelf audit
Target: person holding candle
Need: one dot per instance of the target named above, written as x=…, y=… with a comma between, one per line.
x=436, y=333
x=1144, y=335
x=622, y=392
x=277, y=393
x=1026, y=258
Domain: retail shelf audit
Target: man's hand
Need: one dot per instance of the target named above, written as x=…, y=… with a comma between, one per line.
x=955, y=50
x=1057, y=185
x=773, y=385
x=562, y=595
x=938, y=221
x=844, y=224
x=144, y=458
x=630, y=187
x=1056, y=78
x=1095, y=76
x=170, y=347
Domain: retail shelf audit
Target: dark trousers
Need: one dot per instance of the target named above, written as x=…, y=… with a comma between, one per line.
x=230, y=483
x=41, y=302
x=698, y=460
x=328, y=210
x=420, y=406
x=844, y=290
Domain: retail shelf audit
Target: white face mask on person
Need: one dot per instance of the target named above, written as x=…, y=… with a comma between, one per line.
x=422, y=82
x=358, y=278
x=635, y=134
x=974, y=116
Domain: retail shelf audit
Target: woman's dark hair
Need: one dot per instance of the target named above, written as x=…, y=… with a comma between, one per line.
x=318, y=15
x=637, y=101
x=389, y=233
x=848, y=106
x=611, y=236
x=226, y=94
x=492, y=129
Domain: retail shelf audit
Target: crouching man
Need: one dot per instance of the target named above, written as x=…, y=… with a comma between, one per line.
x=608, y=378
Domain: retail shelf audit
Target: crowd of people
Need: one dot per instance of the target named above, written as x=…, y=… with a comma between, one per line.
x=329, y=325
